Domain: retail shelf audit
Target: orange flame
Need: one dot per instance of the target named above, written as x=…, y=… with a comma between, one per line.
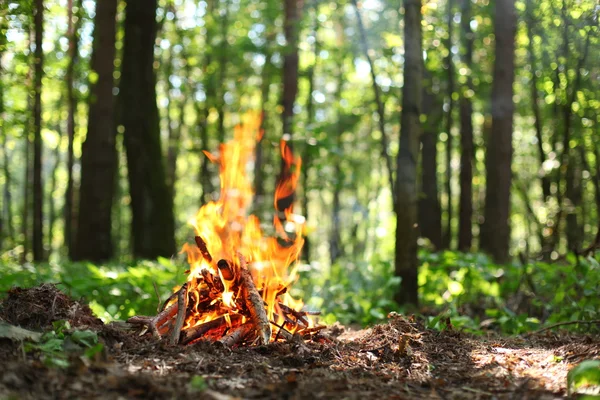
x=228, y=230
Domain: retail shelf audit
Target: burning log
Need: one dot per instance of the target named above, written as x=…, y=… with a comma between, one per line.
x=223, y=300
x=237, y=335
x=190, y=335
x=254, y=303
x=182, y=300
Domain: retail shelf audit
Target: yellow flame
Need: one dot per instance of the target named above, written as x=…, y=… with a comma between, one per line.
x=227, y=228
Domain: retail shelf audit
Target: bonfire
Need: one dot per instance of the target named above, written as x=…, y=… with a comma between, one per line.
x=237, y=290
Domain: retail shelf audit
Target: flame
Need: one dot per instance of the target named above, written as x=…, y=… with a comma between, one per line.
x=231, y=234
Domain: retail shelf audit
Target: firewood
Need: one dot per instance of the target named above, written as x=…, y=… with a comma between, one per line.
x=182, y=300
x=226, y=270
x=237, y=335
x=155, y=323
x=282, y=332
x=198, y=331
x=203, y=249
x=254, y=303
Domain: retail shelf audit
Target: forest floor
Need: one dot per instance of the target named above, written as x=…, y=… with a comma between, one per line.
x=400, y=359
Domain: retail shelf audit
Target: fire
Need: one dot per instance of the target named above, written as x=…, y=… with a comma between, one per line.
x=231, y=243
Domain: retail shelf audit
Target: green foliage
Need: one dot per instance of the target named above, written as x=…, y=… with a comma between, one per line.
x=351, y=293
x=113, y=291
x=585, y=378
x=57, y=345
x=463, y=291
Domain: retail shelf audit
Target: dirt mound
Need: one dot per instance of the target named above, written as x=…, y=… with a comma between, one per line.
x=38, y=307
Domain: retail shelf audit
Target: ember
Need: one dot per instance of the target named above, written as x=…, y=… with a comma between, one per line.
x=237, y=287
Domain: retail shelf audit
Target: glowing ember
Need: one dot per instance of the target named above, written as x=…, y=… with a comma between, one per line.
x=237, y=287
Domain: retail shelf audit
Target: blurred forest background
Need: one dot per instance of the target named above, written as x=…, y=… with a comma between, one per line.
x=483, y=113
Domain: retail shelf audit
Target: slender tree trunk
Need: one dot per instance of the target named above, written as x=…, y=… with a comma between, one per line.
x=27, y=180
x=535, y=106
x=467, y=155
x=72, y=106
x=7, y=189
x=151, y=202
x=406, y=184
x=565, y=158
x=430, y=210
x=222, y=73
x=202, y=114
x=259, y=173
x=306, y=156
x=496, y=228
x=335, y=241
x=378, y=102
x=449, y=65
x=292, y=20
x=99, y=154
x=38, y=201
x=6, y=193
x=174, y=133
x=574, y=195
x=53, y=184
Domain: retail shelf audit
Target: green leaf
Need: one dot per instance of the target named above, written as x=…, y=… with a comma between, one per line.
x=198, y=383
x=87, y=338
x=585, y=375
x=94, y=350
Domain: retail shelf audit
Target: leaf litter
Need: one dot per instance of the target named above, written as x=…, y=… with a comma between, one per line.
x=398, y=359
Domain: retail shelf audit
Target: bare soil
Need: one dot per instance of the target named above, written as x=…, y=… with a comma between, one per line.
x=397, y=360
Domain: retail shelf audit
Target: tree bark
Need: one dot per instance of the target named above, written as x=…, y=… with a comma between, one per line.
x=222, y=73
x=496, y=227
x=38, y=200
x=566, y=164
x=310, y=119
x=202, y=114
x=467, y=155
x=151, y=203
x=449, y=65
x=430, y=209
x=406, y=184
x=99, y=154
x=535, y=106
x=290, y=63
x=72, y=30
x=53, y=184
x=292, y=17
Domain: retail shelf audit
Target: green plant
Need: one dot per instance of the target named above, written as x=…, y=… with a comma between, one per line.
x=58, y=344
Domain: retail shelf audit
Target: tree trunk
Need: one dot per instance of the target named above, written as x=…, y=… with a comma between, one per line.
x=53, y=184
x=259, y=173
x=38, y=201
x=378, y=102
x=290, y=86
x=151, y=203
x=430, y=210
x=496, y=227
x=565, y=156
x=535, y=106
x=202, y=114
x=72, y=106
x=574, y=195
x=6, y=192
x=99, y=154
x=290, y=64
x=406, y=184
x=467, y=155
x=222, y=75
x=449, y=65
x=310, y=119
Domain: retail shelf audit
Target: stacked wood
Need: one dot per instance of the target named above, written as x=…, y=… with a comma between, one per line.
x=197, y=310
